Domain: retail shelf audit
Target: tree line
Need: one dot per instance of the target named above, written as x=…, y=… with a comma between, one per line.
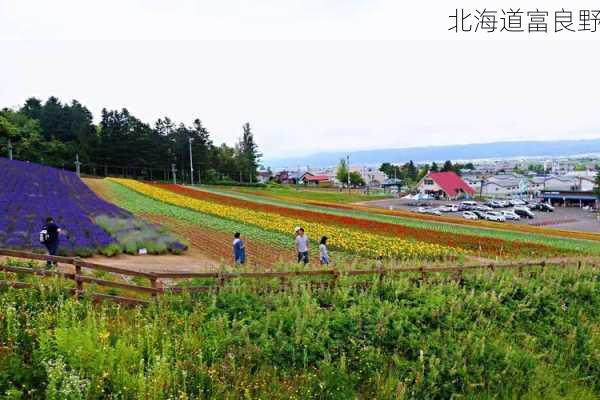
x=409, y=173
x=53, y=133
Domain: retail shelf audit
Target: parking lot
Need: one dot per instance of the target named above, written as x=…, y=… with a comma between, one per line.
x=571, y=218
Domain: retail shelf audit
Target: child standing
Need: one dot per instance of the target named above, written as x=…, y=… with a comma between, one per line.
x=323, y=253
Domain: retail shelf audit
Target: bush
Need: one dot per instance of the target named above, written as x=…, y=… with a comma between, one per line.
x=134, y=234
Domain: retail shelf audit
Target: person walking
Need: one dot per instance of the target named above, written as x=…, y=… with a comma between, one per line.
x=323, y=252
x=239, y=250
x=301, y=245
x=50, y=237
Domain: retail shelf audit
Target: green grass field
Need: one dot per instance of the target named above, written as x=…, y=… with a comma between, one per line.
x=332, y=195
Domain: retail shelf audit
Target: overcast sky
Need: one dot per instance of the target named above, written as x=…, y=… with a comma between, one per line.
x=316, y=84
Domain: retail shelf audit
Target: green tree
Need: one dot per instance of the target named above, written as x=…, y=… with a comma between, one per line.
x=356, y=179
x=248, y=154
x=391, y=170
x=341, y=174
x=409, y=171
x=434, y=167
x=448, y=166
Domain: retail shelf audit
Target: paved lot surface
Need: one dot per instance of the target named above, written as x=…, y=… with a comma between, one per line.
x=564, y=218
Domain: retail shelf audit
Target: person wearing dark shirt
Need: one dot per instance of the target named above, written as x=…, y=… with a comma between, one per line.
x=52, y=239
x=239, y=250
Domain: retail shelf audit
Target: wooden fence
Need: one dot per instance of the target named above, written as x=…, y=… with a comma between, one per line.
x=155, y=279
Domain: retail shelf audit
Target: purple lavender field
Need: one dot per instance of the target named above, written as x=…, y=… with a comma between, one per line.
x=31, y=192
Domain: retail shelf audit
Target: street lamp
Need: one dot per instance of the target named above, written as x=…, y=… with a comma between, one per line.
x=191, y=163
x=10, y=149
x=348, y=167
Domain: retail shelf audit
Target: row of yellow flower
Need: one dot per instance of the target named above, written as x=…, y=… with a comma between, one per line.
x=344, y=239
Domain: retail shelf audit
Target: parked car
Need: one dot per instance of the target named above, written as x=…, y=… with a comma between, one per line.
x=524, y=212
x=543, y=207
x=510, y=216
x=493, y=204
x=480, y=214
x=470, y=215
x=452, y=207
x=448, y=208
x=495, y=216
x=517, y=202
x=428, y=210
x=483, y=208
x=469, y=203
x=504, y=203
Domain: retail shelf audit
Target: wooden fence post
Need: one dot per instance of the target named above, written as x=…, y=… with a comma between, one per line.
x=78, y=281
x=336, y=275
x=381, y=275
x=221, y=283
x=459, y=274
x=423, y=274
x=154, y=285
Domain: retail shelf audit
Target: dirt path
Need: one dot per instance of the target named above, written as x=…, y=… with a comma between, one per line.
x=217, y=245
x=192, y=261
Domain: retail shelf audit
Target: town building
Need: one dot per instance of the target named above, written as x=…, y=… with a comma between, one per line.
x=311, y=179
x=445, y=185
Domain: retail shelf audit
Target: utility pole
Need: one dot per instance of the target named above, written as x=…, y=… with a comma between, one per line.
x=348, y=165
x=77, y=165
x=10, y=149
x=174, y=172
x=191, y=162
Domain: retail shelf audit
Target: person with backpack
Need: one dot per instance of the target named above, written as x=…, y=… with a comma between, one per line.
x=50, y=237
x=301, y=245
x=239, y=250
x=323, y=252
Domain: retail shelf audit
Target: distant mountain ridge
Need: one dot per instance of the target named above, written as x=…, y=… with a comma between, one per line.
x=555, y=148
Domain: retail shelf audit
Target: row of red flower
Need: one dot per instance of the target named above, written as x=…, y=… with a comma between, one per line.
x=473, y=243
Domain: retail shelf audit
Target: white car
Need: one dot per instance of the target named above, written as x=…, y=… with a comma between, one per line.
x=517, y=202
x=469, y=215
x=448, y=208
x=428, y=210
x=483, y=208
x=495, y=216
x=469, y=203
x=511, y=216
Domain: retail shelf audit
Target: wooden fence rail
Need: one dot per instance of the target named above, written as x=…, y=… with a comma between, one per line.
x=156, y=288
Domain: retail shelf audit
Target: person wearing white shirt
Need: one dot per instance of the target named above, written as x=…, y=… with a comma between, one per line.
x=302, y=246
x=323, y=252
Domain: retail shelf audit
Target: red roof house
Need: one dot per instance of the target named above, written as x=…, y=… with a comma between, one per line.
x=445, y=184
x=311, y=179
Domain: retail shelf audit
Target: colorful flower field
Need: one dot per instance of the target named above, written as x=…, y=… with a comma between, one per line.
x=342, y=238
x=515, y=242
x=31, y=193
x=471, y=243
x=210, y=235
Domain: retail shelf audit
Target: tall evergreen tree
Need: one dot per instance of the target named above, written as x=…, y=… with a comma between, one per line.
x=448, y=166
x=248, y=154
